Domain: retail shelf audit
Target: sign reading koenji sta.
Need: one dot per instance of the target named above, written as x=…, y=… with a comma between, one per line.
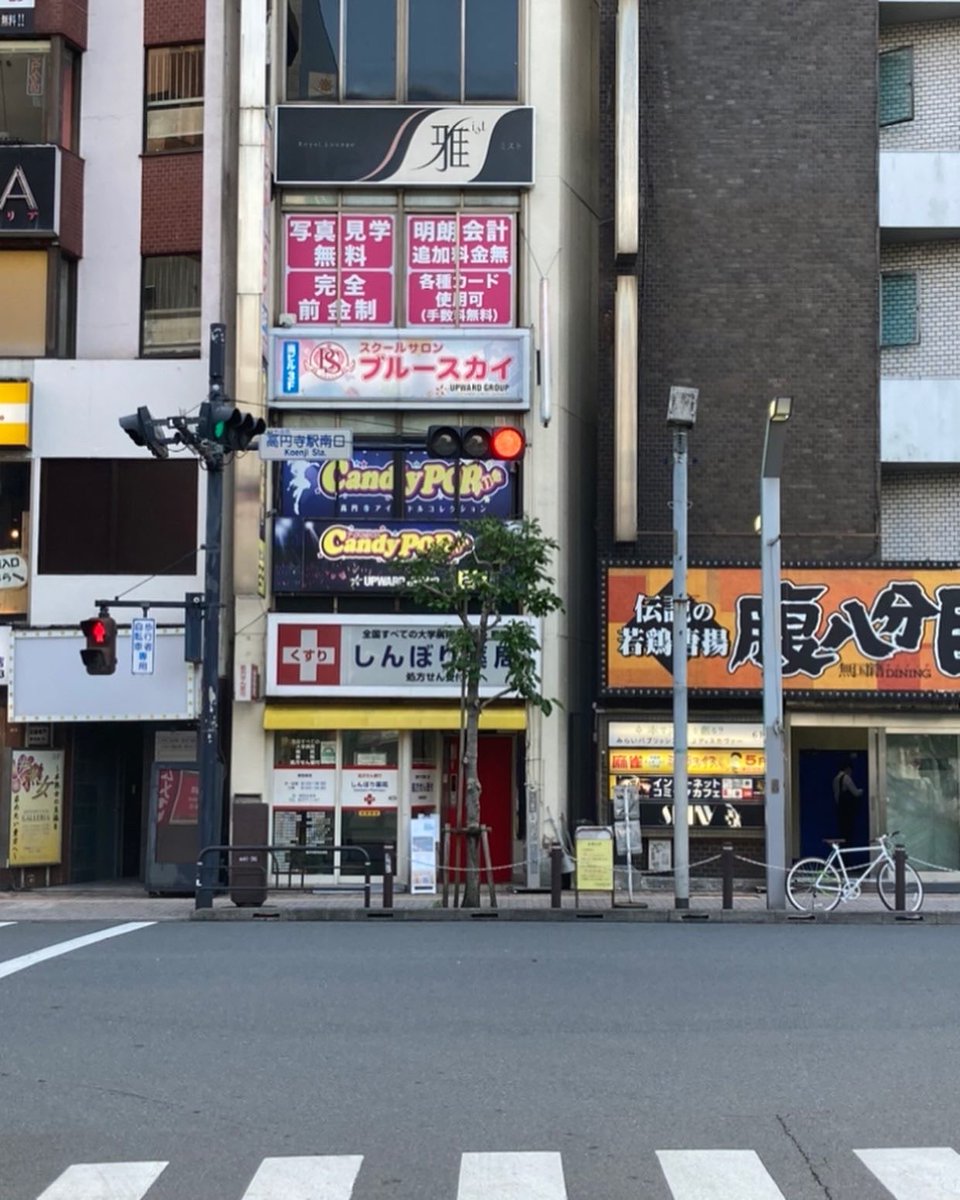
x=851, y=629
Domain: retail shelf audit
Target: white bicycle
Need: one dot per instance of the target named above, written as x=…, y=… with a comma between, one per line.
x=819, y=884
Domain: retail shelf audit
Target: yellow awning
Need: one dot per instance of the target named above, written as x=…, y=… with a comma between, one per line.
x=387, y=716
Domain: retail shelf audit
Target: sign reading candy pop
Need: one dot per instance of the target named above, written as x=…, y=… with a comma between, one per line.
x=460, y=269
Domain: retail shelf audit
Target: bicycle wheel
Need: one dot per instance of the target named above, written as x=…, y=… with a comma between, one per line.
x=912, y=887
x=813, y=885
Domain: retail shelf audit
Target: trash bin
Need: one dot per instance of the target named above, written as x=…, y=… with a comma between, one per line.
x=248, y=868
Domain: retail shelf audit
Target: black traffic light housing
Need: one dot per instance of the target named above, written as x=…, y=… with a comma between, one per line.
x=504, y=442
x=222, y=422
x=100, y=654
x=142, y=429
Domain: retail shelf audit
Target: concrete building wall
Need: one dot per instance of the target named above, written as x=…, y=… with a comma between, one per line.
x=757, y=271
x=921, y=514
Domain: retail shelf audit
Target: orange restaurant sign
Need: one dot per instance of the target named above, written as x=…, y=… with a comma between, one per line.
x=843, y=629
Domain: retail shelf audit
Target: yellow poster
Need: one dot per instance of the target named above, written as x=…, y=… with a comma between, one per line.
x=36, y=807
x=594, y=864
x=699, y=762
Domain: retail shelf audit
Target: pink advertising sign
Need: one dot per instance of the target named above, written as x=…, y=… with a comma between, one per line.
x=460, y=269
x=338, y=268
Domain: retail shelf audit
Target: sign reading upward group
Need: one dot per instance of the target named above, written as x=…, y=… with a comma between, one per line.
x=880, y=630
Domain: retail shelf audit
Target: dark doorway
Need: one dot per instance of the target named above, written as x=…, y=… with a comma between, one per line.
x=495, y=768
x=106, y=803
x=818, y=817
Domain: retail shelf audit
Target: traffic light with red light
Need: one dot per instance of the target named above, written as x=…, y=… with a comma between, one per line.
x=505, y=443
x=100, y=653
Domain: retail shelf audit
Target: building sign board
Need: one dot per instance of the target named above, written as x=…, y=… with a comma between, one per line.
x=310, y=445
x=36, y=807
x=338, y=268
x=29, y=188
x=883, y=630
x=401, y=145
x=16, y=16
x=460, y=269
x=15, y=398
x=404, y=368
x=383, y=656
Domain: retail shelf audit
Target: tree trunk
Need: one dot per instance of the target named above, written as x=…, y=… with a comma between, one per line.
x=471, y=889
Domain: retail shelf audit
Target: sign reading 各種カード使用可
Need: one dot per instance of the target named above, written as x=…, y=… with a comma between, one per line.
x=460, y=269
x=384, y=656
x=401, y=368
x=883, y=630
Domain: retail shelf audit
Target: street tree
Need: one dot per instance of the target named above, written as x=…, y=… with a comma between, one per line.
x=492, y=571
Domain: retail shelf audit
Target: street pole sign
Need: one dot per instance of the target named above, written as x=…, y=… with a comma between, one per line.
x=306, y=445
x=143, y=640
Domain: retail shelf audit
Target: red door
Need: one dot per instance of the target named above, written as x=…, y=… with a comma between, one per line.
x=495, y=769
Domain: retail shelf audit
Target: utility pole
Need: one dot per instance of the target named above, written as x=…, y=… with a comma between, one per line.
x=681, y=417
x=217, y=432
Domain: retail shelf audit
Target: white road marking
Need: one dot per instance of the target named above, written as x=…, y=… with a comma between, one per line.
x=920, y=1173
x=717, y=1175
x=330, y=1177
x=4, y=923
x=38, y=956
x=529, y=1176
x=104, y=1181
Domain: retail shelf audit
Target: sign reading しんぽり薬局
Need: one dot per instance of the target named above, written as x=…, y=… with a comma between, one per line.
x=390, y=657
x=401, y=368
x=404, y=145
x=849, y=629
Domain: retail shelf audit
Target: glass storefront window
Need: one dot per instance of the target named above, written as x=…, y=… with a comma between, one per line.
x=923, y=795
x=298, y=749
x=24, y=91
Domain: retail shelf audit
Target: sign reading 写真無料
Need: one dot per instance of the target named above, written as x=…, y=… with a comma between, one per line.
x=844, y=629
x=401, y=368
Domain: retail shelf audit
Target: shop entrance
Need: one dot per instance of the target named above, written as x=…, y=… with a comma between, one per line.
x=819, y=755
x=495, y=768
x=106, y=803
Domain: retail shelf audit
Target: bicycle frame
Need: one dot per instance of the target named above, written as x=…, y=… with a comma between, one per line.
x=853, y=880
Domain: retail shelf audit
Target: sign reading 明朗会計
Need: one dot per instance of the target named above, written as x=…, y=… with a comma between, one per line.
x=880, y=630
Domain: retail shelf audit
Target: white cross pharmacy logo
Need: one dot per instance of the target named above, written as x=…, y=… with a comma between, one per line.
x=308, y=656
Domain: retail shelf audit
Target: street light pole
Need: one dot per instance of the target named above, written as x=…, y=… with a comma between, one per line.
x=773, y=739
x=681, y=417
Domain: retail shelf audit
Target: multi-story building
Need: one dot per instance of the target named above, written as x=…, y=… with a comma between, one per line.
x=115, y=159
x=768, y=263
x=416, y=216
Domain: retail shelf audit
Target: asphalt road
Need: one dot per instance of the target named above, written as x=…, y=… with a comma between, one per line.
x=213, y=1046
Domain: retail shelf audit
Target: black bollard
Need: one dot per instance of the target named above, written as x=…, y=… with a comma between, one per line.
x=556, y=875
x=726, y=868
x=899, y=879
x=388, y=877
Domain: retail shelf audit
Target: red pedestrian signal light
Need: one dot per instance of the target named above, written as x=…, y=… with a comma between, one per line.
x=100, y=653
x=503, y=442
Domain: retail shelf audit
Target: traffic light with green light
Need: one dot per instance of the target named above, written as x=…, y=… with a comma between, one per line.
x=222, y=422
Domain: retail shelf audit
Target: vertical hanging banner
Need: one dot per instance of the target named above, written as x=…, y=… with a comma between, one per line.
x=36, y=808
x=338, y=268
x=460, y=269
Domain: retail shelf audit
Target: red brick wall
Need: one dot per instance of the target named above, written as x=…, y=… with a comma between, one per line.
x=172, y=205
x=167, y=22
x=71, y=203
x=68, y=17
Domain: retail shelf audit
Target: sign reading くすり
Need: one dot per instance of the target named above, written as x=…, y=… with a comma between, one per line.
x=880, y=630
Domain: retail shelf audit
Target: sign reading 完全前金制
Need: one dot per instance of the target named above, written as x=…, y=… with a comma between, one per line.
x=401, y=368
x=881, y=630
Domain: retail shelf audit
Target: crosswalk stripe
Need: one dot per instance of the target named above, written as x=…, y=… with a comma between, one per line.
x=11, y=966
x=328, y=1177
x=717, y=1175
x=104, y=1181
x=522, y=1176
x=918, y=1173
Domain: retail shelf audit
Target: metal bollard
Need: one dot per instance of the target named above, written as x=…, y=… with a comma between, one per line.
x=388, y=877
x=556, y=875
x=726, y=869
x=899, y=878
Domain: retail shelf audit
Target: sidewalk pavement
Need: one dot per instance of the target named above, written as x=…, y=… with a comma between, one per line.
x=128, y=902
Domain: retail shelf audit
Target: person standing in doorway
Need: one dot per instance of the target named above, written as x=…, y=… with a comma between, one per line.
x=846, y=797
